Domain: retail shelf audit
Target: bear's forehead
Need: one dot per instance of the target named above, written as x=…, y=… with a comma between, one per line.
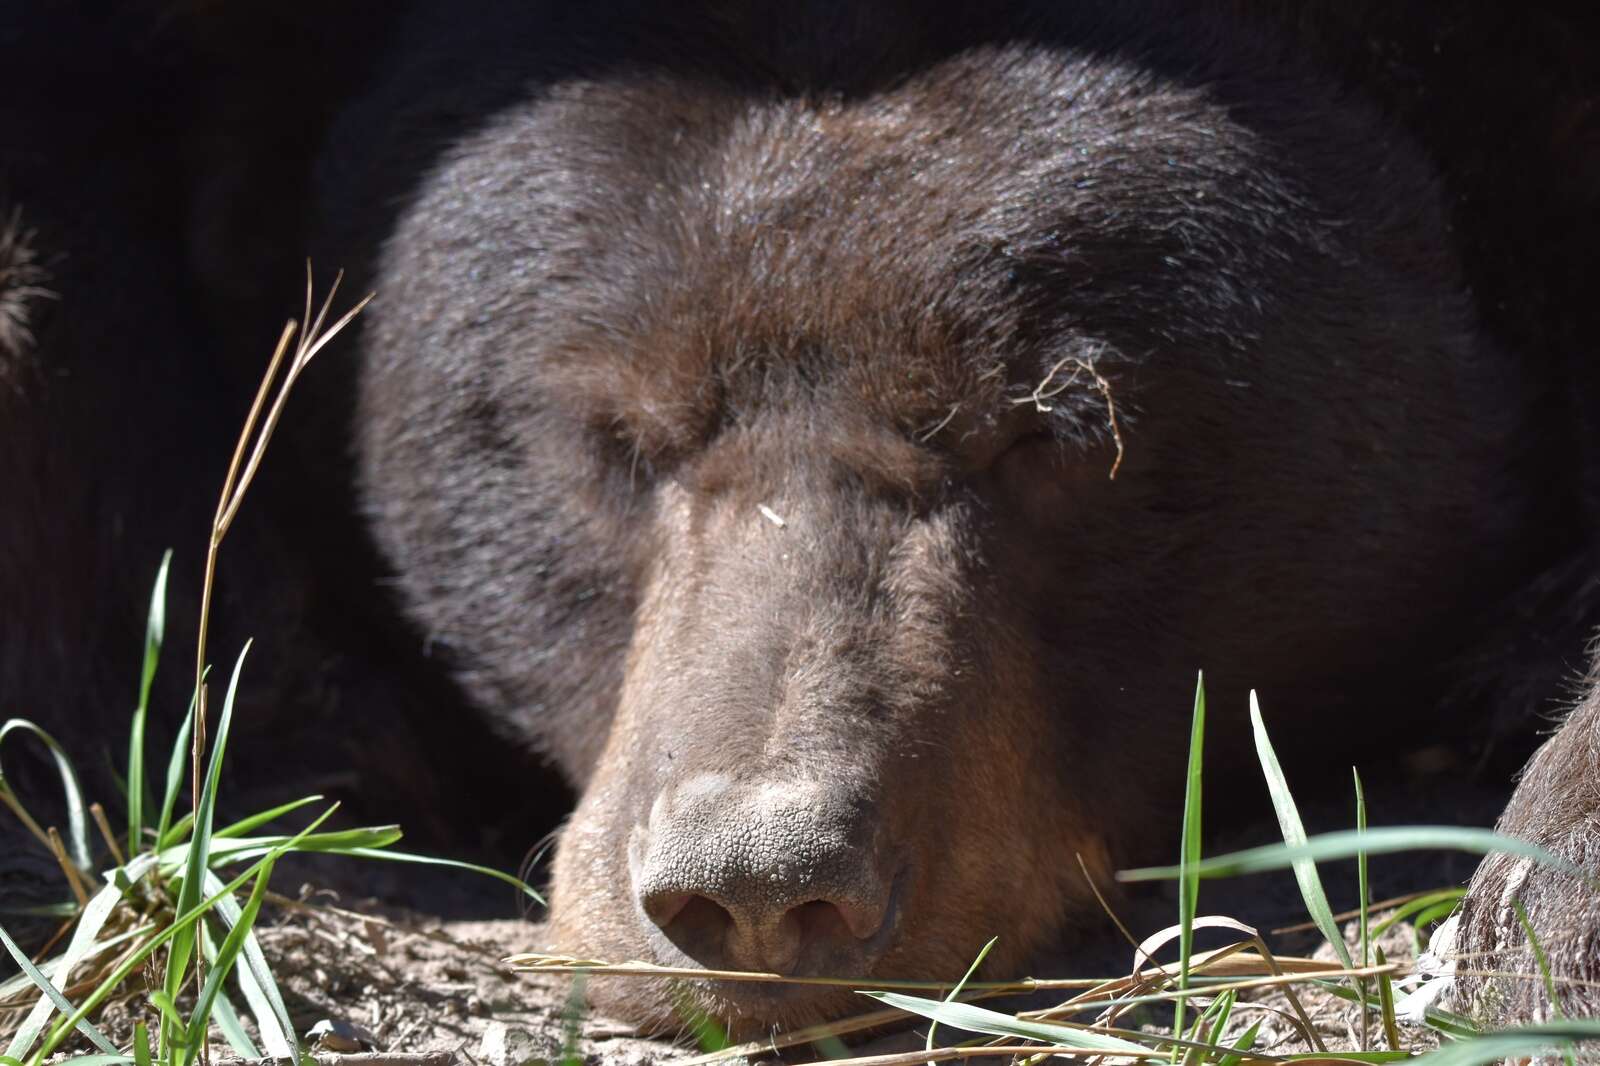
x=924, y=249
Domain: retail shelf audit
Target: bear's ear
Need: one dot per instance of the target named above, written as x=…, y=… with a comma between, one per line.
x=263, y=82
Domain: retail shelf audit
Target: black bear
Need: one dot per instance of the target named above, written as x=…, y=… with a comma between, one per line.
x=833, y=434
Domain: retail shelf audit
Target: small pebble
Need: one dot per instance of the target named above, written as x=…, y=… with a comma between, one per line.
x=341, y=1037
x=505, y=1045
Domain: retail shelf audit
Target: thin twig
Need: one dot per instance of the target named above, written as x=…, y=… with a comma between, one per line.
x=1044, y=391
x=1355, y=912
x=1049, y=388
x=234, y=487
x=55, y=938
x=58, y=848
x=843, y=1027
x=1111, y=417
x=1138, y=948
x=1287, y=969
x=99, y=814
x=534, y=962
x=16, y=808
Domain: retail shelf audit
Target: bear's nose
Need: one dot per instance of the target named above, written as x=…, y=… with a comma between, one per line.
x=774, y=876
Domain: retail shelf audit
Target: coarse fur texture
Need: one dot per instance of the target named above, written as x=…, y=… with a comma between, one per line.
x=22, y=285
x=1556, y=806
x=833, y=435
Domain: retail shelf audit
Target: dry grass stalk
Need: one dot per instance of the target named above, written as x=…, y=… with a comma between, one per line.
x=69, y=869
x=99, y=814
x=1217, y=963
x=1049, y=388
x=1250, y=960
x=535, y=962
x=237, y=483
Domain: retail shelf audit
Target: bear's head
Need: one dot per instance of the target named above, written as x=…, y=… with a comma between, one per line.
x=840, y=462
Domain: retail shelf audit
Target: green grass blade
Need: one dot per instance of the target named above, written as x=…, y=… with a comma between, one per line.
x=255, y=821
x=223, y=1012
x=12, y=988
x=709, y=1032
x=1207, y=1029
x=1221, y=1010
x=77, y=809
x=226, y=1015
x=90, y=922
x=1362, y=898
x=371, y=852
x=177, y=833
x=167, y=1006
x=1452, y=896
x=227, y=954
x=154, y=632
x=983, y=953
x=1539, y=959
x=1361, y=872
x=199, y=852
x=1426, y=917
x=1349, y=843
x=974, y=1019
x=1294, y=835
x=1457, y=1026
x=244, y=849
x=187, y=919
x=1241, y=1045
x=176, y=764
x=1526, y=1042
x=1544, y=970
x=1189, y=851
x=1391, y=1031
x=141, y=1044
x=256, y=981
x=56, y=997
x=42, y=910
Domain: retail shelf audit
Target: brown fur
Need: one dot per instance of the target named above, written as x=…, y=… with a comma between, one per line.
x=1556, y=806
x=849, y=307
x=735, y=423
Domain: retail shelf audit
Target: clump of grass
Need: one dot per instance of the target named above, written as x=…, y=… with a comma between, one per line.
x=1208, y=985
x=161, y=900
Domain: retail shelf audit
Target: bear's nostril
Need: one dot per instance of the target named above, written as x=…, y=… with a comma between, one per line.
x=765, y=875
x=663, y=907
x=863, y=919
x=700, y=927
x=760, y=936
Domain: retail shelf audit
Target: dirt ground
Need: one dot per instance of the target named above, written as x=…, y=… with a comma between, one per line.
x=389, y=987
x=392, y=985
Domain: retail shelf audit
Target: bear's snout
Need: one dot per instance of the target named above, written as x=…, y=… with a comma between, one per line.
x=779, y=876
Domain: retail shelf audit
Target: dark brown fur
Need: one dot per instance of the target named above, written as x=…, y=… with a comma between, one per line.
x=737, y=419
x=840, y=294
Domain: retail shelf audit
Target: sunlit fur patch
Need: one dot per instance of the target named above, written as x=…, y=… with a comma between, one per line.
x=22, y=285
